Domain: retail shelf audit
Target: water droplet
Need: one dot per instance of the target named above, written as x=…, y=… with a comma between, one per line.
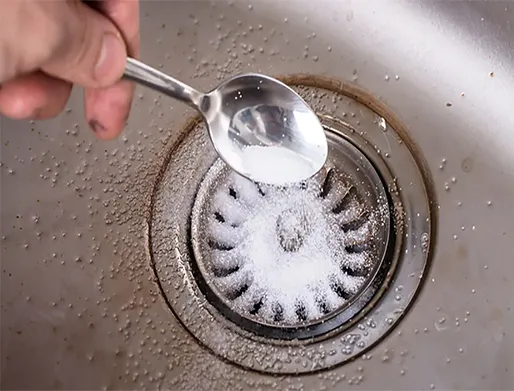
x=386, y=77
x=424, y=242
x=382, y=124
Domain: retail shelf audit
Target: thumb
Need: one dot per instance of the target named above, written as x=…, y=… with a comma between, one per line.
x=90, y=50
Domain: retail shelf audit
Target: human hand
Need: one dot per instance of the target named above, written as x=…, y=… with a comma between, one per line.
x=46, y=46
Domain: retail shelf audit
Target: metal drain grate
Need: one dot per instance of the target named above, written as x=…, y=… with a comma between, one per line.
x=292, y=256
x=288, y=264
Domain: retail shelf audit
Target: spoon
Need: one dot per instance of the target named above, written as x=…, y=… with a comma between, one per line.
x=260, y=127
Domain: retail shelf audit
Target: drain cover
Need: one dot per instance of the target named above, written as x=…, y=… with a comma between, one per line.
x=294, y=280
x=292, y=257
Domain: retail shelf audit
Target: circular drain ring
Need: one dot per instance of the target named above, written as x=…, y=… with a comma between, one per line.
x=170, y=250
x=335, y=319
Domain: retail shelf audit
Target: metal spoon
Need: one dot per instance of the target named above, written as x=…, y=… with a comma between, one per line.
x=251, y=110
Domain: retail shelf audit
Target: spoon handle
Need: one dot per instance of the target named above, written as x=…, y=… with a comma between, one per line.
x=150, y=77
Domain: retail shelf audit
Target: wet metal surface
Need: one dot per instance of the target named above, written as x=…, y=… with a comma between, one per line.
x=81, y=301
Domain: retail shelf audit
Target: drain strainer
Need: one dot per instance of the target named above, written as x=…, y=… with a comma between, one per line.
x=294, y=280
x=281, y=262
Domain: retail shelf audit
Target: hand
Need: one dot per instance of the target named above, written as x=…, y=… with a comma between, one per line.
x=46, y=46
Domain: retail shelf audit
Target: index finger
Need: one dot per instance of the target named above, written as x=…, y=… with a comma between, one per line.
x=107, y=109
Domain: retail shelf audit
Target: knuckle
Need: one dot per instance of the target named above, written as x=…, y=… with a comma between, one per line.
x=67, y=37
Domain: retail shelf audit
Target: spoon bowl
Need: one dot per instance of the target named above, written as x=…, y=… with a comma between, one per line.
x=258, y=125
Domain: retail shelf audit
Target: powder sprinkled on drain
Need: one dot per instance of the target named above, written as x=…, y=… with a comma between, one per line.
x=289, y=250
x=276, y=165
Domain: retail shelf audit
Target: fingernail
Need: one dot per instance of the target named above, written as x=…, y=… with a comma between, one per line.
x=111, y=61
x=96, y=126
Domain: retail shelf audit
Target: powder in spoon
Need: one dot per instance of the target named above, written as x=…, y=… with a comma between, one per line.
x=275, y=165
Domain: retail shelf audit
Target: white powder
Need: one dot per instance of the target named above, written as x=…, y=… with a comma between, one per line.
x=276, y=165
x=285, y=278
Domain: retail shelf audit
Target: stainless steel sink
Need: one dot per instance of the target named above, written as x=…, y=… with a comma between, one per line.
x=90, y=297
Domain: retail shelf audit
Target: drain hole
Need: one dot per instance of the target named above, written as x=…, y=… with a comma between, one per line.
x=234, y=294
x=224, y=272
x=357, y=223
x=301, y=312
x=339, y=291
x=323, y=307
x=357, y=248
x=354, y=272
x=278, y=313
x=219, y=217
x=327, y=184
x=256, y=307
x=348, y=197
x=219, y=246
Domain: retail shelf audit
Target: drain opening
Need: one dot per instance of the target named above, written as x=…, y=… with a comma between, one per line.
x=291, y=258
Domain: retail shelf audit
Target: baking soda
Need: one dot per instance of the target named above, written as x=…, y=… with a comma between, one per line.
x=276, y=165
x=257, y=225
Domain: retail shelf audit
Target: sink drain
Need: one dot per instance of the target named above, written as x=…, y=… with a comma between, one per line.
x=298, y=279
x=281, y=262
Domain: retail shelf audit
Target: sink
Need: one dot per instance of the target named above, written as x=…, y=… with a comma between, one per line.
x=93, y=281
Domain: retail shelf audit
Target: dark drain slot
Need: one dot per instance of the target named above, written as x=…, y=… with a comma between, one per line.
x=256, y=307
x=301, y=312
x=323, y=306
x=234, y=294
x=215, y=245
x=340, y=291
x=355, y=272
x=327, y=184
x=221, y=272
x=357, y=248
x=346, y=198
x=219, y=217
x=278, y=313
x=357, y=223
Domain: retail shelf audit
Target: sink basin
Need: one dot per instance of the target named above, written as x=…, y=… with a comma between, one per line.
x=84, y=305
